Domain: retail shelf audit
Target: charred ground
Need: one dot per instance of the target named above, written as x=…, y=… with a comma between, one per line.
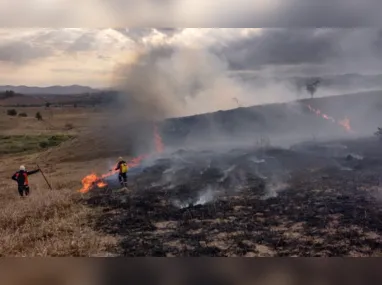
x=264, y=197
x=223, y=198
x=313, y=199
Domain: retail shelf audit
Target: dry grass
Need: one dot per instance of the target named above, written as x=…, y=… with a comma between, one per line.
x=51, y=223
x=29, y=143
x=54, y=120
x=47, y=223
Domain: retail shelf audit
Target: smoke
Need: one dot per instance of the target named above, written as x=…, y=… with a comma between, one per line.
x=156, y=83
x=198, y=177
x=274, y=188
x=172, y=82
x=159, y=81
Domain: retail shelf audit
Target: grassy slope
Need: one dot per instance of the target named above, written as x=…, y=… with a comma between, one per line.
x=30, y=143
x=47, y=223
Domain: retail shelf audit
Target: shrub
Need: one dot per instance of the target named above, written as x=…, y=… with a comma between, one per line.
x=69, y=126
x=11, y=112
x=38, y=116
x=44, y=144
x=23, y=115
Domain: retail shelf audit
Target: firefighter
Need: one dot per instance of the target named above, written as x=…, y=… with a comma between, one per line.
x=21, y=177
x=123, y=168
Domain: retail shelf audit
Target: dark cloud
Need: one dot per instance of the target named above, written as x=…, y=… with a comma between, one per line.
x=83, y=43
x=191, y=13
x=282, y=47
x=330, y=13
x=325, y=50
x=295, y=13
x=378, y=42
x=20, y=52
x=300, y=51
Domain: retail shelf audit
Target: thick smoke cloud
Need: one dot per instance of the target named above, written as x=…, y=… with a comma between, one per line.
x=172, y=80
x=169, y=82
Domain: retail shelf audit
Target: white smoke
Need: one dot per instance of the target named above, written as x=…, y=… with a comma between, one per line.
x=174, y=82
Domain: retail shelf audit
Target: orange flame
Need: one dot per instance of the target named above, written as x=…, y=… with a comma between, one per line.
x=101, y=184
x=92, y=179
x=158, y=140
x=345, y=123
x=136, y=160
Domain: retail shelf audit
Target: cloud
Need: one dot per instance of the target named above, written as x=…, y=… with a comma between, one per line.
x=260, y=52
x=307, y=51
x=80, y=71
x=282, y=46
x=191, y=13
x=19, y=52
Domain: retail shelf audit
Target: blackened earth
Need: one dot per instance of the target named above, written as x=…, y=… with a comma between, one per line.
x=314, y=199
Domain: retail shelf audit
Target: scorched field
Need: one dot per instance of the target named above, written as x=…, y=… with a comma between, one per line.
x=293, y=179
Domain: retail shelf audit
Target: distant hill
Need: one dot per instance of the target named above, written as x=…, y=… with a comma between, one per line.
x=279, y=121
x=339, y=84
x=55, y=90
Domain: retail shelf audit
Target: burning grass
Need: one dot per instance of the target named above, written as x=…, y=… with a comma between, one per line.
x=344, y=123
x=94, y=180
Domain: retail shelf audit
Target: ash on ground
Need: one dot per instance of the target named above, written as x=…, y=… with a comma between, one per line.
x=314, y=199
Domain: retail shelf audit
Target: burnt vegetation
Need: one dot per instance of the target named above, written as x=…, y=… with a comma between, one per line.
x=304, y=201
x=317, y=198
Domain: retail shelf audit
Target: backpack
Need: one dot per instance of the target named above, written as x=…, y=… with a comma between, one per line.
x=124, y=167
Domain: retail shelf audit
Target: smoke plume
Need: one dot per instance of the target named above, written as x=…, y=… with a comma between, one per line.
x=172, y=82
x=168, y=81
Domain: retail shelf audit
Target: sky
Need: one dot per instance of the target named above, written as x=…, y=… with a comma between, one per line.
x=190, y=13
x=87, y=56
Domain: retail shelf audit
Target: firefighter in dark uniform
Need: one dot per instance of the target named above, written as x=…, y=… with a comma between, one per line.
x=21, y=177
x=123, y=168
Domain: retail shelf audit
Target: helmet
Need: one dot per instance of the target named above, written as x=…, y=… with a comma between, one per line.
x=120, y=158
x=22, y=167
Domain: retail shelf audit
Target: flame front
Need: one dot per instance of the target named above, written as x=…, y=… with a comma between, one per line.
x=89, y=181
x=101, y=184
x=158, y=140
x=345, y=123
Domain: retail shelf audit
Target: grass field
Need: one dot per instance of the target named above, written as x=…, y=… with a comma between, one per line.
x=330, y=208
x=47, y=223
x=30, y=143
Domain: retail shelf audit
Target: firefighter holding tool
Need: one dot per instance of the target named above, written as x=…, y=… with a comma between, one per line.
x=123, y=168
x=21, y=177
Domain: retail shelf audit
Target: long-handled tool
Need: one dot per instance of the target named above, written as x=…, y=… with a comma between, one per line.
x=43, y=175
